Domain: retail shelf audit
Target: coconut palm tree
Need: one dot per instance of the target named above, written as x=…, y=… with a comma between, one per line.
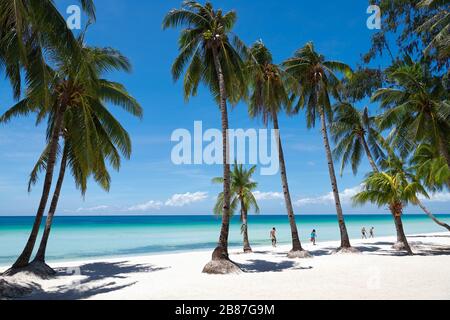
x=108, y=141
x=438, y=26
x=391, y=189
x=86, y=148
x=355, y=133
x=417, y=109
x=32, y=33
x=349, y=131
x=431, y=169
x=316, y=80
x=242, y=188
x=74, y=85
x=210, y=53
x=269, y=95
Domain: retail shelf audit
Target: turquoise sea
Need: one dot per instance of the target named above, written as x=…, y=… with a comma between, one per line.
x=107, y=236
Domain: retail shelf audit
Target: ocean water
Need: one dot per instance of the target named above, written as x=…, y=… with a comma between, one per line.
x=87, y=237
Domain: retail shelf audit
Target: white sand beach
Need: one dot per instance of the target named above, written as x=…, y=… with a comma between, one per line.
x=378, y=272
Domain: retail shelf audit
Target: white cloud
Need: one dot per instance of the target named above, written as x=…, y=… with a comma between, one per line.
x=181, y=200
x=93, y=209
x=437, y=197
x=152, y=204
x=268, y=195
x=345, y=196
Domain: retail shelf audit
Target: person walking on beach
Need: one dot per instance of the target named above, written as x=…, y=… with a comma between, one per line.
x=364, y=233
x=313, y=237
x=273, y=237
x=372, y=232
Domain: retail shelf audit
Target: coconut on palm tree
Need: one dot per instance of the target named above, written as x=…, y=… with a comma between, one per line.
x=74, y=86
x=316, y=80
x=242, y=188
x=211, y=54
x=269, y=95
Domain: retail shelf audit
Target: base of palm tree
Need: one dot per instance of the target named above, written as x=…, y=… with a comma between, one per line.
x=36, y=268
x=347, y=250
x=248, y=250
x=294, y=254
x=400, y=246
x=221, y=266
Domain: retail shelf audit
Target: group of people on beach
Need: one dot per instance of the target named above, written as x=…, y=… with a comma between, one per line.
x=273, y=235
x=364, y=233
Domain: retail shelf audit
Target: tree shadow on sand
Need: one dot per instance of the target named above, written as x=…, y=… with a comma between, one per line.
x=256, y=266
x=91, y=273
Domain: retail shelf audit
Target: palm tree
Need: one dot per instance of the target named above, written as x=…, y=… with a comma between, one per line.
x=268, y=97
x=211, y=54
x=31, y=33
x=316, y=79
x=74, y=85
x=418, y=109
x=354, y=133
x=438, y=26
x=432, y=170
x=87, y=147
x=242, y=188
x=395, y=191
x=350, y=129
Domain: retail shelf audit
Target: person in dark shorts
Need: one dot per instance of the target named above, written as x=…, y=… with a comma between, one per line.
x=363, y=233
x=273, y=237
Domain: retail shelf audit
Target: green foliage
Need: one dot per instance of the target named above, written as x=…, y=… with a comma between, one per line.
x=267, y=81
x=242, y=188
x=417, y=107
x=207, y=32
x=351, y=130
x=92, y=135
x=317, y=80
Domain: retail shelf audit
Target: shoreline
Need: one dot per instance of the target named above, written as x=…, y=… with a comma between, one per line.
x=269, y=274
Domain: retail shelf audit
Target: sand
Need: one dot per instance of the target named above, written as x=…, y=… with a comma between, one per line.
x=378, y=272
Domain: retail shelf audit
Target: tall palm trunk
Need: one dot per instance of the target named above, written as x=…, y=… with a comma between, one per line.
x=345, y=241
x=221, y=252
x=296, y=244
x=40, y=256
x=244, y=215
x=24, y=258
x=402, y=241
x=429, y=214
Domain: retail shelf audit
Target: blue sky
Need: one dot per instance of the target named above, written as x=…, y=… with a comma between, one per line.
x=149, y=183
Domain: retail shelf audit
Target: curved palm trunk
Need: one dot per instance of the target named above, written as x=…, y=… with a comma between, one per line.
x=24, y=258
x=345, y=241
x=402, y=241
x=369, y=154
x=429, y=214
x=221, y=252
x=40, y=256
x=296, y=245
x=244, y=214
